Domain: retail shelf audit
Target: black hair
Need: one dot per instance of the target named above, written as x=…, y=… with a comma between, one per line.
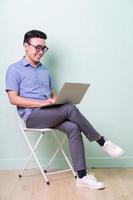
x=34, y=34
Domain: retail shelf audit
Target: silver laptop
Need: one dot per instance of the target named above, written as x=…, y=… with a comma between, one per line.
x=70, y=93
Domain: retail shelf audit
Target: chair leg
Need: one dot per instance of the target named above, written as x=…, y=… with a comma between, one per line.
x=54, y=155
x=36, y=159
x=60, y=143
x=65, y=156
x=26, y=164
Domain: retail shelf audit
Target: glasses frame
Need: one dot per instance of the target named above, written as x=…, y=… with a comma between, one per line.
x=38, y=48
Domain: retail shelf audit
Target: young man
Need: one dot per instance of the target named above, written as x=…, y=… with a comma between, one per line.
x=29, y=86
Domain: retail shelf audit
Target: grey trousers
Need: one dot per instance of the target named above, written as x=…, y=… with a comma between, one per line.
x=68, y=119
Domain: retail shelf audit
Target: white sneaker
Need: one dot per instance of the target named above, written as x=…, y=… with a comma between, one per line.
x=112, y=149
x=89, y=181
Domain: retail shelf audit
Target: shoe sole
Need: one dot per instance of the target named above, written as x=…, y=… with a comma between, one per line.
x=91, y=187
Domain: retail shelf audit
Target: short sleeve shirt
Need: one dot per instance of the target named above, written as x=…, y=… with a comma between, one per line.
x=29, y=82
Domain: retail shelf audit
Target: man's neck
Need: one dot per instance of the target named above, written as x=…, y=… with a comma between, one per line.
x=34, y=64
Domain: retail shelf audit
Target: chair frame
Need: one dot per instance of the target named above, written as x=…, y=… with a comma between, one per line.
x=42, y=132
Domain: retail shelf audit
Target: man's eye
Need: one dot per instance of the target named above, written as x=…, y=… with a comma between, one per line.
x=39, y=47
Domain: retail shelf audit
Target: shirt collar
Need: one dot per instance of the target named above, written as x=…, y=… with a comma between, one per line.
x=27, y=64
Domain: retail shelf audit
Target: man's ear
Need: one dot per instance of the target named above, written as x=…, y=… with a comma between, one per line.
x=25, y=46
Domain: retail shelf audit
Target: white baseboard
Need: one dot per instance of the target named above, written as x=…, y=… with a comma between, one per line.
x=60, y=163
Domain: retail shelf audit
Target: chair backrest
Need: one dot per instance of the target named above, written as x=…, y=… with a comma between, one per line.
x=21, y=122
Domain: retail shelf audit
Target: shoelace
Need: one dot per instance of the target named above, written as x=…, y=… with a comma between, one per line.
x=92, y=175
x=112, y=144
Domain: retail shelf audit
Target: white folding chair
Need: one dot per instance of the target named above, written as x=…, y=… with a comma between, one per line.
x=33, y=148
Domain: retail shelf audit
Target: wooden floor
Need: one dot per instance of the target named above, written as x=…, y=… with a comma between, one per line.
x=118, y=182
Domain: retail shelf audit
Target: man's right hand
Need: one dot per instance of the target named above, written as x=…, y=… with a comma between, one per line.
x=46, y=102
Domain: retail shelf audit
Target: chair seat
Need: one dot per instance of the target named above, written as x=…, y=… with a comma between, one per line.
x=37, y=129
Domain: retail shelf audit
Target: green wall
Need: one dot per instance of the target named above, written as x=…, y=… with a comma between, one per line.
x=89, y=41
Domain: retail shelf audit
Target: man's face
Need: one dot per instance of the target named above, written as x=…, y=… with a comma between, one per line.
x=34, y=49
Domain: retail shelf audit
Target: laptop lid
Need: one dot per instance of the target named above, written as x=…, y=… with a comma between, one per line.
x=71, y=93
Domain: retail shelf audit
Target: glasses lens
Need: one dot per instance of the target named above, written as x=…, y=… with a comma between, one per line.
x=40, y=48
x=44, y=49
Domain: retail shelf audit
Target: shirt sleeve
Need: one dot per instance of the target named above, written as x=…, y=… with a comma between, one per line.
x=12, y=80
x=51, y=82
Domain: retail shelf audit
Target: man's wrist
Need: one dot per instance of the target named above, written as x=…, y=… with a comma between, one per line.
x=38, y=104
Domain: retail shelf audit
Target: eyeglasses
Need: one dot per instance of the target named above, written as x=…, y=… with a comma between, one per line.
x=39, y=48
